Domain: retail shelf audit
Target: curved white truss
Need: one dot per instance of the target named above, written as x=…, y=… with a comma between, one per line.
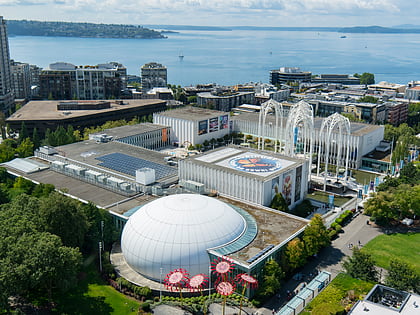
x=300, y=125
x=267, y=107
x=343, y=139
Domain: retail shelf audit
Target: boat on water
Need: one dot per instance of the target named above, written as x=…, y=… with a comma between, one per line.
x=181, y=55
x=344, y=36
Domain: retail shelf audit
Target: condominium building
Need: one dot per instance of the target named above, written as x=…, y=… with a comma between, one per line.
x=224, y=100
x=66, y=81
x=289, y=74
x=21, y=79
x=6, y=92
x=153, y=75
x=413, y=93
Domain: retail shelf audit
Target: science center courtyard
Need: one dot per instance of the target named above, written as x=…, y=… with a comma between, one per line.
x=189, y=231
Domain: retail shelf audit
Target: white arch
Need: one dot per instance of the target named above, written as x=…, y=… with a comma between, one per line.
x=343, y=138
x=267, y=107
x=300, y=124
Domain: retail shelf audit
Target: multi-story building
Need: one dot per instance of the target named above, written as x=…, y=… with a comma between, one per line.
x=66, y=81
x=289, y=74
x=224, y=100
x=368, y=112
x=413, y=93
x=336, y=78
x=21, y=79
x=153, y=75
x=397, y=113
x=6, y=91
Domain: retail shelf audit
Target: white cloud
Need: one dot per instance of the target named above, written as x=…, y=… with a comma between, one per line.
x=217, y=12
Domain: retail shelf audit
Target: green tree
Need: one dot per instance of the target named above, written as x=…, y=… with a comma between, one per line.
x=24, y=184
x=368, y=99
x=279, y=203
x=23, y=133
x=192, y=99
x=3, y=125
x=361, y=266
x=7, y=150
x=366, y=78
x=402, y=276
x=25, y=148
x=380, y=209
x=42, y=190
x=99, y=223
x=271, y=280
x=295, y=254
x=35, y=139
x=315, y=235
x=410, y=174
x=351, y=117
x=64, y=217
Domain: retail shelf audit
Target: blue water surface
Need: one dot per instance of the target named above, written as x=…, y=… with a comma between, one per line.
x=232, y=57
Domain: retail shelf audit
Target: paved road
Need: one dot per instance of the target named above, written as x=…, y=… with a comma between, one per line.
x=329, y=259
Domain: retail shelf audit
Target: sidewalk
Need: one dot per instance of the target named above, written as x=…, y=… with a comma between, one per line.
x=329, y=259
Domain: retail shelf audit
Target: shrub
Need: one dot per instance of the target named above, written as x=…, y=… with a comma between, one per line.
x=145, y=306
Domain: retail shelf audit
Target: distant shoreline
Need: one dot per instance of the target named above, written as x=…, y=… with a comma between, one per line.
x=121, y=31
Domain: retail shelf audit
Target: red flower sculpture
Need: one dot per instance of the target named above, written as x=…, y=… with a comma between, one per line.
x=198, y=282
x=245, y=279
x=225, y=287
x=222, y=266
x=176, y=279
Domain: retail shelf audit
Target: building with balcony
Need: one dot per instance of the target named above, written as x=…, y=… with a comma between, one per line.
x=21, y=79
x=224, y=100
x=6, y=88
x=153, y=75
x=65, y=81
x=289, y=74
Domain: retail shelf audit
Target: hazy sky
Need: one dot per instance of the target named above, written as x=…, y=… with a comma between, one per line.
x=218, y=12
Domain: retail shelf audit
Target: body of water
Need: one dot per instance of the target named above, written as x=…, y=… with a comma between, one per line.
x=232, y=57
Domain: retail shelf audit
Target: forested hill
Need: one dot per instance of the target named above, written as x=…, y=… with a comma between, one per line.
x=70, y=29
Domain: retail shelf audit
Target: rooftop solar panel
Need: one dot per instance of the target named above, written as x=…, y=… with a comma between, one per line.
x=127, y=164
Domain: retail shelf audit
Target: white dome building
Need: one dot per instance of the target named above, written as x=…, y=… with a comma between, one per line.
x=176, y=231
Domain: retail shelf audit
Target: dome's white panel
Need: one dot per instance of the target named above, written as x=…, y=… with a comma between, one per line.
x=175, y=232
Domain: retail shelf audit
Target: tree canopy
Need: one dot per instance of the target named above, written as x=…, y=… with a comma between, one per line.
x=366, y=78
x=361, y=266
x=315, y=235
x=402, y=276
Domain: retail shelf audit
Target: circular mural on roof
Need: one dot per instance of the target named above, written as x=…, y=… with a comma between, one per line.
x=255, y=164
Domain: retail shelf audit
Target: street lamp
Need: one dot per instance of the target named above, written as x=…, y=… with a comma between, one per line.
x=100, y=256
x=160, y=287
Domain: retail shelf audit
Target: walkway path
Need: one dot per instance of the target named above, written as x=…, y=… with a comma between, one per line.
x=329, y=259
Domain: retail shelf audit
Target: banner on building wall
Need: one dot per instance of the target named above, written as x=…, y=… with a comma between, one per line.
x=224, y=122
x=202, y=127
x=288, y=187
x=164, y=135
x=298, y=183
x=366, y=189
x=275, y=186
x=213, y=124
x=331, y=200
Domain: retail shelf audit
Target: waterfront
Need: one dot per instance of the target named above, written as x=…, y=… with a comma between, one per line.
x=231, y=57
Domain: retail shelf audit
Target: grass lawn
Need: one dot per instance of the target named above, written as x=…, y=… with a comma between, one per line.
x=362, y=177
x=323, y=197
x=402, y=246
x=94, y=296
x=340, y=294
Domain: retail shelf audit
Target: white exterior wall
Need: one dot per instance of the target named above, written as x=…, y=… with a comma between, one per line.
x=250, y=189
x=359, y=144
x=245, y=188
x=187, y=130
